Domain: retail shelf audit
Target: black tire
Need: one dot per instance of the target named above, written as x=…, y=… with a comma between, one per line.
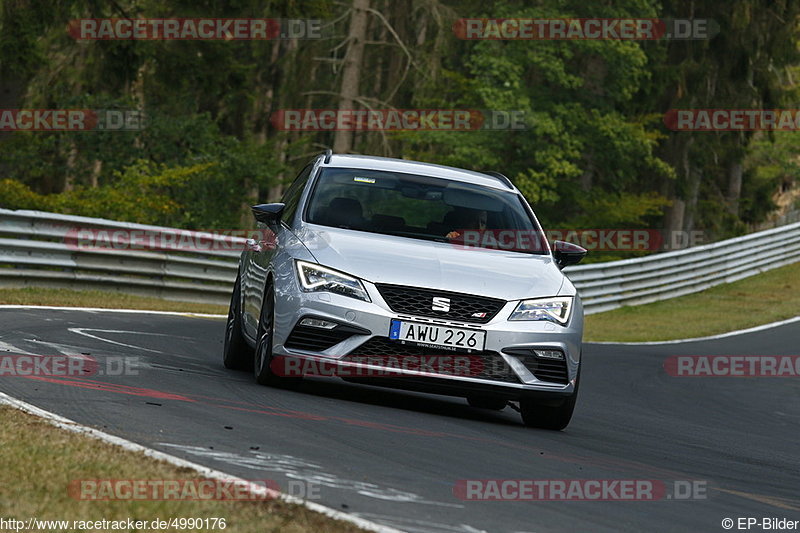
x=236, y=353
x=262, y=356
x=480, y=402
x=538, y=414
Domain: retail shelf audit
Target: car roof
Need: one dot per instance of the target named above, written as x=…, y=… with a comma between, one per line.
x=368, y=162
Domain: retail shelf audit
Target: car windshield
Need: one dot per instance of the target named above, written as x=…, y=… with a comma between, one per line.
x=422, y=207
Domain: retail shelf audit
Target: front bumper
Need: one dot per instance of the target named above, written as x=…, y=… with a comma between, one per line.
x=505, y=341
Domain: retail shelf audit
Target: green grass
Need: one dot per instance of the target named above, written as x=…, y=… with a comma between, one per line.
x=760, y=299
x=110, y=300
x=40, y=460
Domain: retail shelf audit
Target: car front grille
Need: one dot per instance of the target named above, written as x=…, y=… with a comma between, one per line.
x=419, y=301
x=488, y=365
x=551, y=370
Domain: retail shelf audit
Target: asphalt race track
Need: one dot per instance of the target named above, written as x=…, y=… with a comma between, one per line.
x=394, y=457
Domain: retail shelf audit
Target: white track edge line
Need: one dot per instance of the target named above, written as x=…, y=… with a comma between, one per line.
x=204, y=315
x=708, y=338
x=70, y=425
x=108, y=310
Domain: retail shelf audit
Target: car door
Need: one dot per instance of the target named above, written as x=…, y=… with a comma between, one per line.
x=261, y=251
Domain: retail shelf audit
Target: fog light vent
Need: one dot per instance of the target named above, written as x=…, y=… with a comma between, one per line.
x=318, y=323
x=550, y=354
x=545, y=363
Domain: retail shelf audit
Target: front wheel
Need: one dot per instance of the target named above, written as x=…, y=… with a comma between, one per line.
x=262, y=359
x=236, y=353
x=537, y=414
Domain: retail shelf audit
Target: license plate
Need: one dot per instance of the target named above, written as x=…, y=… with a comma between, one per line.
x=439, y=336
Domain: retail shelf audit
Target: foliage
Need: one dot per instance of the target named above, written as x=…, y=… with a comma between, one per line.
x=594, y=152
x=145, y=192
x=773, y=163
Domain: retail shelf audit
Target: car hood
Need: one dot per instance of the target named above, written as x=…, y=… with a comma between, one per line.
x=418, y=263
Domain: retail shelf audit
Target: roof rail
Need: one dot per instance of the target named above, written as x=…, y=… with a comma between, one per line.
x=328, y=154
x=501, y=177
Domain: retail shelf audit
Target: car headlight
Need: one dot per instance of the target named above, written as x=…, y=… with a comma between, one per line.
x=319, y=278
x=555, y=309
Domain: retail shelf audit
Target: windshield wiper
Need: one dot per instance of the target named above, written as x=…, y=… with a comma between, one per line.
x=423, y=236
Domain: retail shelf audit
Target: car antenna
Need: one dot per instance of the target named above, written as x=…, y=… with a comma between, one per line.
x=328, y=154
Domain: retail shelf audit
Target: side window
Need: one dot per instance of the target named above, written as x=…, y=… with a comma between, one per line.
x=292, y=195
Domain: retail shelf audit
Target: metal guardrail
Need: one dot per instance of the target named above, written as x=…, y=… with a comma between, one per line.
x=36, y=250
x=43, y=249
x=605, y=286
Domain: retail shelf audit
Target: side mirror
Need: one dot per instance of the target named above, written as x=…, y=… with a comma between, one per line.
x=566, y=253
x=269, y=214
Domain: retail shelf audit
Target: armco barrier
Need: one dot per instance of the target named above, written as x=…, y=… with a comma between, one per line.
x=605, y=286
x=33, y=252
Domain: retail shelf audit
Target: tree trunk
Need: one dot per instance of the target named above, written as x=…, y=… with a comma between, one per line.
x=695, y=177
x=289, y=79
x=69, y=176
x=586, y=178
x=351, y=71
x=10, y=98
x=734, y=187
x=264, y=102
x=674, y=220
x=97, y=167
x=138, y=93
x=678, y=156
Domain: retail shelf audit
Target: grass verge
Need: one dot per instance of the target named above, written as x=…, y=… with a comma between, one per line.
x=760, y=299
x=40, y=460
x=104, y=299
